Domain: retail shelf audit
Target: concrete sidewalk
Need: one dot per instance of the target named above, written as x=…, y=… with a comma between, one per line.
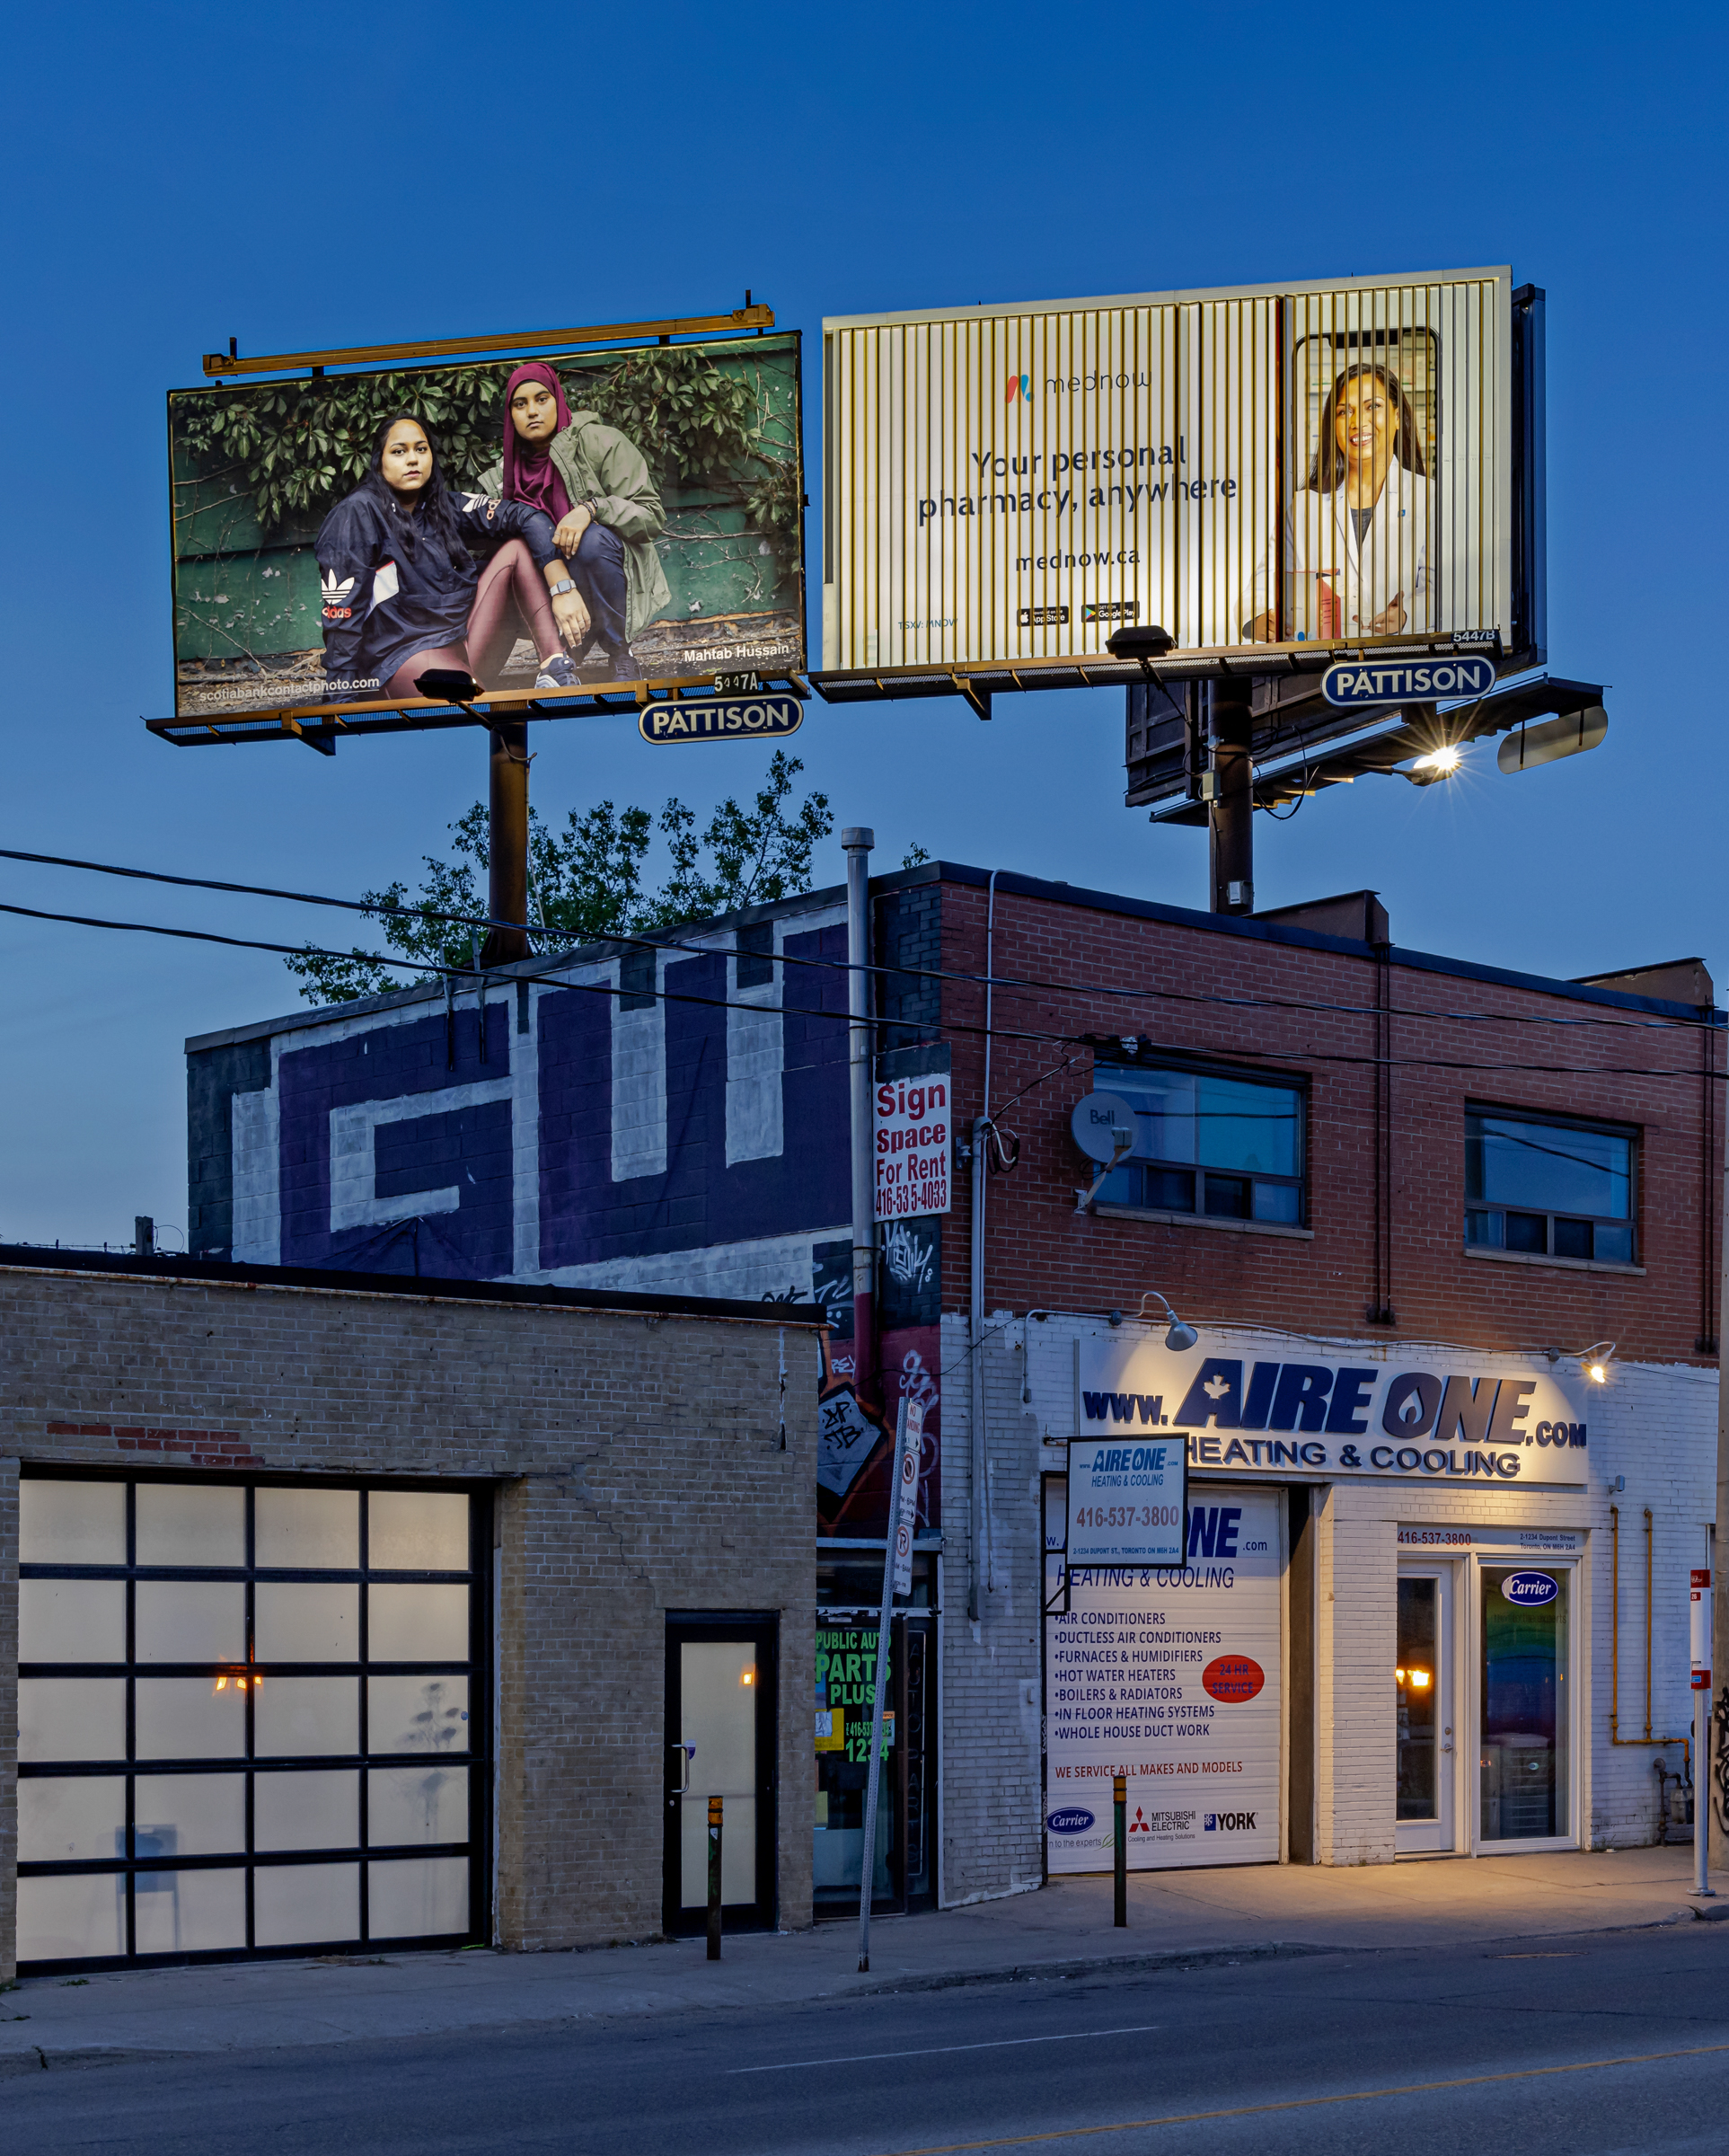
x=1065, y=1928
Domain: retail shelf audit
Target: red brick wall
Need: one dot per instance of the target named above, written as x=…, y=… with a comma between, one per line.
x=1040, y=1252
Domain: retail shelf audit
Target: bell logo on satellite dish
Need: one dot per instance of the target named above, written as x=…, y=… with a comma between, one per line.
x=1103, y=1125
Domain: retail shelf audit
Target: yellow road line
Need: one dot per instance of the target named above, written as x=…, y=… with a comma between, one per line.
x=1308, y=2103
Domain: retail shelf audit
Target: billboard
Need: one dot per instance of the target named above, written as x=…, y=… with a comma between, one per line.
x=618, y=515
x=1257, y=467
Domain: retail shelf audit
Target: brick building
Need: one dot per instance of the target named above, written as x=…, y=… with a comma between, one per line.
x=351, y=1609
x=1395, y=1195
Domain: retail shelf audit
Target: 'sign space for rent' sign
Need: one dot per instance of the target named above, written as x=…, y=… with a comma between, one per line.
x=914, y=1146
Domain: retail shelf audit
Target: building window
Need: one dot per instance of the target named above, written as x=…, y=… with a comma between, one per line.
x=1214, y=1142
x=1548, y=1190
x=250, y=1718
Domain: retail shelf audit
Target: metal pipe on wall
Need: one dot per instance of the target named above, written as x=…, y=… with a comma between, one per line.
x=1615, y=1736
x=856, y=842
x=982, y=1131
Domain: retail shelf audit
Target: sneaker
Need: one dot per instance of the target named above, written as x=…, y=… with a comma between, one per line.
x=557, y=672
x=626, y=666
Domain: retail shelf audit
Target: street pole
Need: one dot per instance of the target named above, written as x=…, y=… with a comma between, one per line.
x=857, y=842
x=1120, y=1808
x=716, y=1807
x=1700, y=1613
x=873, y=1778
x=1231, y=814
x=1716, y=1831
x=507, y=842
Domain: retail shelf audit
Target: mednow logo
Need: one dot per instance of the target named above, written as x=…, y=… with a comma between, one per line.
x=1227, y=1823
x=1021, y=386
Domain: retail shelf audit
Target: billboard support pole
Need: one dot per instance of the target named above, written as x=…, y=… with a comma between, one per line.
x=507, y=842
x=1231, y=800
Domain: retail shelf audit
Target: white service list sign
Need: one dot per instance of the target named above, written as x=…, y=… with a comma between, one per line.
x=1169, y=1675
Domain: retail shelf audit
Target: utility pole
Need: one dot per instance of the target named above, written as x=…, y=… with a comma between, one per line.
x=1230, y=800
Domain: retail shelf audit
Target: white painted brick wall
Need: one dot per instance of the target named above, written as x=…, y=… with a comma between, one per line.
x=993, y=1807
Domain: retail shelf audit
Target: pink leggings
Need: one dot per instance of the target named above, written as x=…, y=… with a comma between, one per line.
x=511, y=593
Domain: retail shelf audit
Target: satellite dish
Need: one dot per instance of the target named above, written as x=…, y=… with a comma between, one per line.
x=1095, y=1117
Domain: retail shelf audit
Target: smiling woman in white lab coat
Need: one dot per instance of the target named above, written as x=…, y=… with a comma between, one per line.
x=1359, y=537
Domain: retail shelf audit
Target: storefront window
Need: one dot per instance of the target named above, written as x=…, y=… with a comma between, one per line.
x=1523, y=1758
x=903, y=1870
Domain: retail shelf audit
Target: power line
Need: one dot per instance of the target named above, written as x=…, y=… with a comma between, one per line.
x=467, y=975
x=378, y=911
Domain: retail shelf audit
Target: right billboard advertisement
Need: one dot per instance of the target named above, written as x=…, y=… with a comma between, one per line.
x=1257, y=466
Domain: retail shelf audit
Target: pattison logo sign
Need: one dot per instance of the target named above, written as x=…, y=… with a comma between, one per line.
x=1278, y=1406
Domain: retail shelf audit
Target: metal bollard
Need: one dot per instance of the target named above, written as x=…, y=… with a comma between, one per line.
x=714, y=1878
x=1120, y=1802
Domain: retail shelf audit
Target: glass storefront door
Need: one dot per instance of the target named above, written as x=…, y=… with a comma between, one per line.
x=1427, y=1709
x=1524, y=1750
x=721, y=1691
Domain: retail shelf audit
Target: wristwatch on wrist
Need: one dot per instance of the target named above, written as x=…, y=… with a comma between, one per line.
x=564, y=584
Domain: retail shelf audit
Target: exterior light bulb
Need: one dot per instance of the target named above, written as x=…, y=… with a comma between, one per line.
x=1398, y=1676
x=1441, y=762
x=749, y=1677
x=1597, y=1373
x=1420, y=1679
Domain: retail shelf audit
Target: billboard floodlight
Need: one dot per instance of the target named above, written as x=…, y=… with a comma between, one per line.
x=1145, y=642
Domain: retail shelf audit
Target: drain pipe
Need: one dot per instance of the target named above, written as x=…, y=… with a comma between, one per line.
x=857, y=842
x=981, y=1136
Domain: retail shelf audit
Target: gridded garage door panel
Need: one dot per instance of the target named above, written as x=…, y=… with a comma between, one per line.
x=250, y=1718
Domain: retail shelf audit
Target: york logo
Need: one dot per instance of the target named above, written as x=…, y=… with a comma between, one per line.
x=1021, y=386
x=1229, y=1823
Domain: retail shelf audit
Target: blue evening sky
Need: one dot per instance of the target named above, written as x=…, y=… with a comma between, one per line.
x=303, y=177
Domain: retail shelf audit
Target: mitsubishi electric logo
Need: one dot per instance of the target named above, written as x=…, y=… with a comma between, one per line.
x=1021, y=386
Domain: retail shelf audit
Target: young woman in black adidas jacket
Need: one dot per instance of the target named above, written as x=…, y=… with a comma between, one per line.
x=414, y=577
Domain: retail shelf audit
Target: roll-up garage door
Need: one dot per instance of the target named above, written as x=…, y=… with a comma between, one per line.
x=251, y=1717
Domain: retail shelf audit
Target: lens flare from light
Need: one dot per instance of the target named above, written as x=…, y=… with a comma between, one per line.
x=1443, y=761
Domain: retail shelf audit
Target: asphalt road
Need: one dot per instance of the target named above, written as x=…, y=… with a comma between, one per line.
x=1608, y=2042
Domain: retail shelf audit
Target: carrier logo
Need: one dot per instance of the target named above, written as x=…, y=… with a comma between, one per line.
x=1021, y=386
x=1075, y=1821
x=1530, y=1590
x=1229, y=1823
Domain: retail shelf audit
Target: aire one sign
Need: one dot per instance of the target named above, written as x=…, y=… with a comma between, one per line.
x=1275, y=1402
x=914, y=1145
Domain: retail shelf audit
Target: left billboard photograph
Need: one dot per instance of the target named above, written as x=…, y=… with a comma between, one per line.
x=558, y=524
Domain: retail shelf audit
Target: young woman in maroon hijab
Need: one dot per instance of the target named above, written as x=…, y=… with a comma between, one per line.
x=594, y=483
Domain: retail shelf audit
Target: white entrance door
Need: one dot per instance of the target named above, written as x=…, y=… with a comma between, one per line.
x=1423, y=1692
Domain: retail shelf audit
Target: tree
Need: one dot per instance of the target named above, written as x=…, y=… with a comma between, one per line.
x=587, y=881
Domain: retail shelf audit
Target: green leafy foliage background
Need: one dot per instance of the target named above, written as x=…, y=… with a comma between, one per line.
x=297, y=446
x=588, y=881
